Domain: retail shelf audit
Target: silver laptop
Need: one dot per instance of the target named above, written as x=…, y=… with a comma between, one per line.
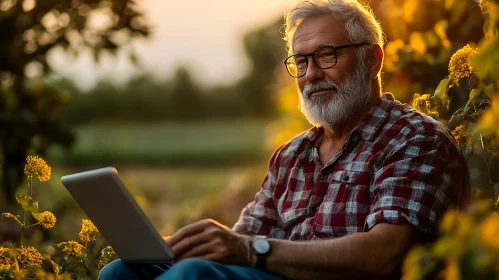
x=103, y=197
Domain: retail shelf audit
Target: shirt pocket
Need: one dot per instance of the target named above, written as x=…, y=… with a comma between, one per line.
x=294, y=203
x=348, y=187
x=346, y=204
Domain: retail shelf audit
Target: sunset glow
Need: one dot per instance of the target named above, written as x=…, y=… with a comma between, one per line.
x=204, y=35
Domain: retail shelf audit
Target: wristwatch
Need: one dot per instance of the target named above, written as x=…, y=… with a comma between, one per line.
x=261, y=247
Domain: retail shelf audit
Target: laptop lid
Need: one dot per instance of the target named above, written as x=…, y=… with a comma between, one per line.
x=106, y=201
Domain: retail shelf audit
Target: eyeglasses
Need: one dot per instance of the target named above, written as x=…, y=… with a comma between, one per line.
x=324, y=57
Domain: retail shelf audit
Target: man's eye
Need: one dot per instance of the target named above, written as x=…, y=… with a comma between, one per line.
x=327, y=55
x=300, y=61
x=326, y=58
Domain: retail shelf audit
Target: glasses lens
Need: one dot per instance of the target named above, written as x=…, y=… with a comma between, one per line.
x=296, y=65
x=291, y=66
x=325, y=57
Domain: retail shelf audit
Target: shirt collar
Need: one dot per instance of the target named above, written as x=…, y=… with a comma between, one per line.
x=367, y=128
x=308, y=138
x=376, y=117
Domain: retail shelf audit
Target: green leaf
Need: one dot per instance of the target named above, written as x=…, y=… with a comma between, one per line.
x=441, y=91
x=106, y=256
x=27, y=203
x=478, y=99
x=486, y=62
x=10, y=216
x=474, y=92
x=55, y=267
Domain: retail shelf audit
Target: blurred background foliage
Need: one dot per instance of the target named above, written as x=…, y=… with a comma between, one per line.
x=189, y=151
x=31, y=110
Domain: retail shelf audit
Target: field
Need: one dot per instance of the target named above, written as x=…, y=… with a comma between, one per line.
x=201, y=143
x=178, y=172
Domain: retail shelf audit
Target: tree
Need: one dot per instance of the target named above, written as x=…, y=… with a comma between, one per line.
x=266, y=51
x=30, y=109
x=185, y=100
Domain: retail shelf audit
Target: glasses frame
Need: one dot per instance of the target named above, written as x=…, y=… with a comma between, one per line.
x=312, y=54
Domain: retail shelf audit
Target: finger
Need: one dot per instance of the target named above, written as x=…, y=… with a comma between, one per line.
x=200, y=250
x=193, y=241
x=187, y=231
x=222, y=248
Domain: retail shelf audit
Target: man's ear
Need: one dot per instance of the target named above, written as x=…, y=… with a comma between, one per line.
x=376, y=57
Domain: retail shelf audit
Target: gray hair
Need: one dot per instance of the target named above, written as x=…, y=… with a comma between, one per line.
x=360, y=24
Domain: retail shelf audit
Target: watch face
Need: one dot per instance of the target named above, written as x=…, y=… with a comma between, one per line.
x=261, y=245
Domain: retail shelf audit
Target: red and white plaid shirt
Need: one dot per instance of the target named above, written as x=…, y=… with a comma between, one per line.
x=397, y=166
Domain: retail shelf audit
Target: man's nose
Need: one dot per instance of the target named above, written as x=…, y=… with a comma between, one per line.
x=313, y=72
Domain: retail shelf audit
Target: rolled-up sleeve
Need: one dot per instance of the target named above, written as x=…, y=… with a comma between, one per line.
x=418, y=181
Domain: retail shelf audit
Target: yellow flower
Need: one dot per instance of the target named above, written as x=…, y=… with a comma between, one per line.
x=72, y=249
x=489, y=232
x=46, y=219
x=5, y=267
x=29, y=256
x=459, y=64
x=5, y=262
x=463, y=138
x=36, y=166
x=88, y=231
x=426, y=104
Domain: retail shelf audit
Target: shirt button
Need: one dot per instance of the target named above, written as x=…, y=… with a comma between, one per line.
x=346, y=178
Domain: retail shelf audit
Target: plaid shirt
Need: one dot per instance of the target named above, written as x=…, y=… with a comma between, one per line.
x=397, y=166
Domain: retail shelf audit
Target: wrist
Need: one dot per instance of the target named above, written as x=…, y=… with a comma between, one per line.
x=252, y=255
x=260, y=248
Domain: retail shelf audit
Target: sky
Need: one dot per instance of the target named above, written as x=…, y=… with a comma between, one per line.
x=205, y=35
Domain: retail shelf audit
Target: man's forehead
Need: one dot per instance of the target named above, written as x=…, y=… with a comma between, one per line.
x=316, y=31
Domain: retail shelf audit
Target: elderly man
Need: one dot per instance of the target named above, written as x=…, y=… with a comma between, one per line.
x=368, y=181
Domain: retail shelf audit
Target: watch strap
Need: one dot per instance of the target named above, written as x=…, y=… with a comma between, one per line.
x=261, y=262
x=261, y=259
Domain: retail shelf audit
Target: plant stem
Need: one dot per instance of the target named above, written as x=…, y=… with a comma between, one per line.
x=487, y=163
x=23, y=227
x=94, y=262
x=33, y=225
x=86, y=260
x=30, y=187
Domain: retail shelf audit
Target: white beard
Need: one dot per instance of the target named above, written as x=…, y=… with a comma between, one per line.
x=349, y=100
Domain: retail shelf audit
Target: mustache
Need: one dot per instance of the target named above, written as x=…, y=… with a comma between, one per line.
x=312, y=87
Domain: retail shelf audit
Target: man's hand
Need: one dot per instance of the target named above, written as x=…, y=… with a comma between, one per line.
x=210, y=240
